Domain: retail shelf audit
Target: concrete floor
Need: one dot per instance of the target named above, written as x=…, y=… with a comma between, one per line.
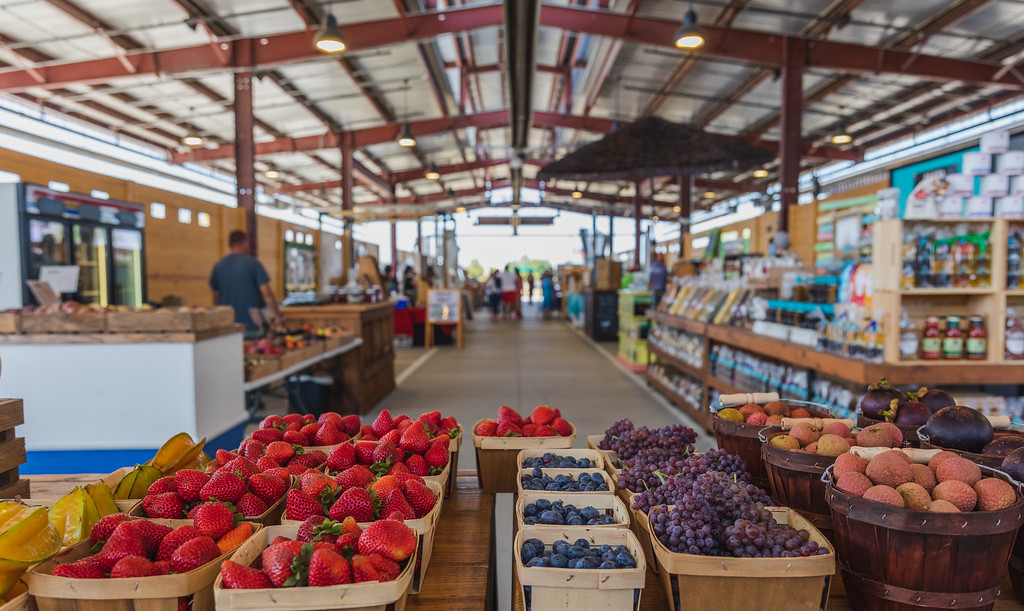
x=522, y=365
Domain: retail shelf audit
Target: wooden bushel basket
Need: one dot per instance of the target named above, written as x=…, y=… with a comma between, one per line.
x=159, y=593
x=367, y=596
x=742, y=584
x=986, y=460
x=544, y=588
x=909, y=431
x=795, y=480
x=895, y=559
x=497, y=469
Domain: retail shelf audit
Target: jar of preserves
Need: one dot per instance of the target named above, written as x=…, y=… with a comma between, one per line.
x=931, y=339
x=977, y=340
x=953, y=342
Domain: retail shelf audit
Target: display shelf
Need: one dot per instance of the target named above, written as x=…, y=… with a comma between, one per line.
x=676, y=399
x=675, y=362
x=722, y=386
x=678, y=322
x=1014, y=293
x=953, y=291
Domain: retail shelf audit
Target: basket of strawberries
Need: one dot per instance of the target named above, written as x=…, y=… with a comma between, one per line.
x=498, y=442
x=421, y=445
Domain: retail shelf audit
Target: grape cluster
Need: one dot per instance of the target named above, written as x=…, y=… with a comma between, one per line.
x=617, y=429
x=769, y=539
x=637, y=475
x=675, y=440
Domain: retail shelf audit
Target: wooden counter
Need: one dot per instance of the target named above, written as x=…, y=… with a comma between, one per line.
x=185, y=337
x=373, y=377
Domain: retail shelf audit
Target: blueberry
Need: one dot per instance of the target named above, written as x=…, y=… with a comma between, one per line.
x=605, y=548
x=550, y=517
x=537, y=472
x=530, y=509
x=535, y=542
x=548, y=457
x=582, y=543
x=589, y=512
x=575, y=520
x=584, y=463
x=552, y=487
x=538, y=562
x=529, y=521
x=528, y=552
x=559, y=561
x=590, y=522
x=608, y=556
x=557, y=505
x=543, y=504
x=621, y=549
x=577, y=552
x=572, y=508
x=561, y=547
x=607, y=565
x=588, y=563
x=625, y=560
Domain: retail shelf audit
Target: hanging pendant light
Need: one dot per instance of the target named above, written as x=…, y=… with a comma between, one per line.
x=842, y=136
x=432, y=173
x=405, y=137
x=690, y=35
x=192, y=139
x=272, y=173
x=576, y=193
x=760, y=173
x=329, y=40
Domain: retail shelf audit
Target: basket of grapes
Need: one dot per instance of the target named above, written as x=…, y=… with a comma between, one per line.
x=623, y=441
x=726, y=559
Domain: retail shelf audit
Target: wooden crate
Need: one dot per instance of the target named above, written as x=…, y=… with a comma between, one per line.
x=574, y=473
x=12, y=449
x=165, y=320
x=610, y=590
x=159, y=593
x=597, y=500
x=86, y=321
x=21, y=602
x=596, y=456
x=10, y=323
x=216, y=317
x=260, y=366
x=369, y=596
x=737, y=584
x=497, y=469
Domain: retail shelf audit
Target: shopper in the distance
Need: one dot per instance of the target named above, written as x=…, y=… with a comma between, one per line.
x=508, y=291
x=519, y=295
x=529, y=286
x=240, y=281
x=493, y=291
x=547, y=289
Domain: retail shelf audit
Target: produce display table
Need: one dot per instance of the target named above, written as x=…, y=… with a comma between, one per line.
x=98, y=402
x=374, y=377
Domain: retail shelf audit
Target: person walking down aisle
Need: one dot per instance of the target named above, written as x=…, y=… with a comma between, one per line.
x=508, y=291
x=547, y=289
x=241, y=282
x=493, y=291
x=519, y=294
x=529, y=286
x=409, y=285
x=423, y=287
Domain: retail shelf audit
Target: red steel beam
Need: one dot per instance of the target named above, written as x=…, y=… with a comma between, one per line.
x=398, y=177
x=792, y=142
x=266, y=51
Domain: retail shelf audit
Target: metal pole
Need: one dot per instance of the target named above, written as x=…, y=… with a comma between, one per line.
x=685, y=207
x=245, y=155
x=611, y=234
x=636, y=231
x=347, y=203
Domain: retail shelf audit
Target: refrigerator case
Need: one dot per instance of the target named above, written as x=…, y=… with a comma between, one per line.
x=103, y=238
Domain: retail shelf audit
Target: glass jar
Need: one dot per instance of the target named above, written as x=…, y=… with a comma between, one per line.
x=953, y=342
x=909, y=339
x=1014, y=336
x=931, y=339
x=977, y=339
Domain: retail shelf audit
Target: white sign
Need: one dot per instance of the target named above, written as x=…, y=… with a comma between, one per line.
x=63, y=278
x=444, y=306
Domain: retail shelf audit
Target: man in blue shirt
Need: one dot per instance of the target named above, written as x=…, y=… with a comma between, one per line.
x=241, y=282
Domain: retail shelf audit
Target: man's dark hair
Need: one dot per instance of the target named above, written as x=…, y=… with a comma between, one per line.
x=237, y=237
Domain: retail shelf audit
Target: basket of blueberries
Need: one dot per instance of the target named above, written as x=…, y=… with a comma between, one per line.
x=579, y=568
x=564, y=480
x=547, y=509
x=561, y=459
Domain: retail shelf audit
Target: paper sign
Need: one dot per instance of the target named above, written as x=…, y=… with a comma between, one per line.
x=444, y=305
x=43, y=293
x=62, y=278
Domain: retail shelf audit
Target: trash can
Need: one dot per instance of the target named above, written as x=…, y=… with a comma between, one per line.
x=309, y=394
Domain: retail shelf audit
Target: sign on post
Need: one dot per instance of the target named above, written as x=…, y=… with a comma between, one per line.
x=444, y=307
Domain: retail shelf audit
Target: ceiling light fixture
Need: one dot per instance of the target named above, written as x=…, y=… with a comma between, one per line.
x=654, y=218
x=762, y=173
x=329, y=40
x=842, y=136
x=405, y=137
x=272, y=173
x=677, y=209
x=709, y=195
x=192, y=139
x=690, y=35
x=576, y=193
x=460, y=209
x=432, y=173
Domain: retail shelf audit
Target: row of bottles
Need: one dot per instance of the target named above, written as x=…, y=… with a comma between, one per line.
x=856, y=339
x=952, y=343
x=945, y=257
x=1013, y=260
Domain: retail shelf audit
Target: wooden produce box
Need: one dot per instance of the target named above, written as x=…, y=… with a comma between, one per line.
x=21, y=602
x=10, y=323
x=165, y=320
x=369, y=596
x=160, y=593
x=12, y=449
x=574, y=473
x=608, y=275
x=639, y=523
x=293, y=357
x=216, y=317
x=333, y=342
x=597, y=500
x=453, y=463
x=86, y=321
x=734, y=584
x=496, y=457
x=611, y=590
x=261, y=365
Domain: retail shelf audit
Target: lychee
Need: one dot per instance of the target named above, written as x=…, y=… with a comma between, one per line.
x=914, y=496
x=936, y=460
x=751, y=408
x=731, y=414
x=923, y=476
x=804, y=433
x=832, y=445
x=956, y=492
x=959, y=469
x=774, y=419
x=776, y=408
x=943, y=506
x=799, y=413
x=849, y=463
x=889, y=469
x=853, y=483
x=994, y=494
x=785, y=442
x=897, y=434
x=757, y=418
x=811, y=448
x=884, y=494
x=834, y=427
x=874, y=436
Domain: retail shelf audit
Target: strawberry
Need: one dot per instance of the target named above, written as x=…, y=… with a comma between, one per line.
x=270, y=488
x=310, y=430
x=224, y=457
x=417, y=465
x=252, y=449
x=561, y=426
x=384, y=486
x=319, y=528
x=449, y=424
x=132, y=566
x=542, y=415
x=355, y=502
x=332, y=417
x=273, y=422
x=167, y=505
x=173, y=540
x=278, y=562
x=295, y=438
x=386, y=450
x=224, y=486
x=250, y=505
x=293, y=427
x=364, y=452
x=162, y=485
x=194, y=554
x=356, y=476
x=162, y=567
x=391, y=539
x=123, y=542
x=296, y=469
x=309, y=459
x=280, y=452
x=362, y=570
x=347, y=543
x=382, y=424
x=398, y=467
x=265, y=464
x=434, y=416
x=350, y=527
x=267, y=436
x=507, y=414
x=292, y=419
x=437, y=455
x=300, y=505
x=399, y=419
x=80, y=569
x=367, y=432
x=328, y=568
x=235, y=537
x=188, y=483
x=151, y=534
x=102, y=529
x=214, y=519
x=388, y=570
x=307, y=418
x=350, y=424
x=328, y=435
x=282, y=474
x=342, y=457
x=401, y=478
x=314, y=482
x=487, y=428
x=530, y=429
x=429, y=427
x=419, y=497
x=395, y=503
x=508, y=429
x=542, y=431
x=236, y=576
x=241, y=465
x=392, y=437
x=414, y=439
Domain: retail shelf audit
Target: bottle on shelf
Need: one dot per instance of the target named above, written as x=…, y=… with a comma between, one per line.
x=1013, y=261
x=925, y=250
x=982, y=276
x=977, y=339
x=1014, y=336
x=909, y=339
x=965, y=270
x=931, y=339
x=953, y=342
x=909, y=275
x=943, y=264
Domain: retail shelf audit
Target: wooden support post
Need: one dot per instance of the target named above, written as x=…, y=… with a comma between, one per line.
x=245, y=156
x=347, y=203
x=636, y=230
x=791, y=142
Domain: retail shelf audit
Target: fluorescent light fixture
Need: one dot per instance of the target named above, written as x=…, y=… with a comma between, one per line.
x=184, y=216
x=99, y=194
x=203, y=219
x=309, y=239
x=54, y=185
x=329, y=40
x=289, y=235
x=690, y=35
x=761, y=173
x=157, y=210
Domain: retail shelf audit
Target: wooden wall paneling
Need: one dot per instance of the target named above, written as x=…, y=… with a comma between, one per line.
x=803, y=231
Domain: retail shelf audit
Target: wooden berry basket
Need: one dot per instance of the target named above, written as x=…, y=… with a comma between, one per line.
x=368, y=596
x=638, y=523
x=551, y=588
x=574, y=473
x=795, y=480
x=909, y=431
x=21, y=602
x=987, y=460
x=595, y=457
x=497, y=469
x=580, y=499
x=270, y=517
x=967, y=553
x=453, y=462
x=739, y=584
x=425, y=528
x=159, y=593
